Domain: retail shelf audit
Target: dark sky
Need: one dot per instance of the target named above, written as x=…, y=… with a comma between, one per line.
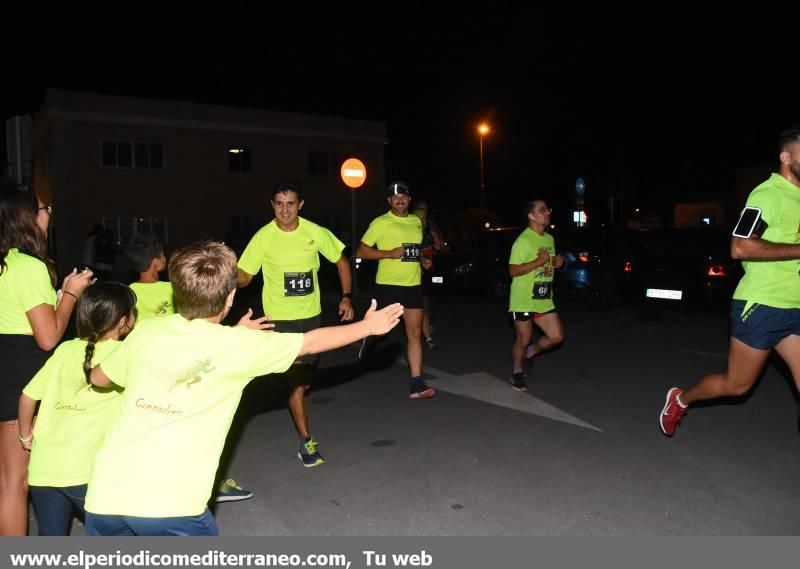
x=661, y=102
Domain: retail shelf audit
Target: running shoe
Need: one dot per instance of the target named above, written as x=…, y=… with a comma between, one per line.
x=232, y=491
x=672, y=413
x=518, y=381
x=309, y=454
x=420, y=390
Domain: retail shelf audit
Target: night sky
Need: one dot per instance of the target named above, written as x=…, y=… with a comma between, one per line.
x=657, y=104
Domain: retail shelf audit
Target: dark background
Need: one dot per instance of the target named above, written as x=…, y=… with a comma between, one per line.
x=652, y=104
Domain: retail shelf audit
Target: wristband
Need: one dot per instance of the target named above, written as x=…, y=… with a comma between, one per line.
x=29, y=439
x=69, y=293
x=347, y=295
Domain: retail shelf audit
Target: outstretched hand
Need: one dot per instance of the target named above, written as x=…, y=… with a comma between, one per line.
x=247, y=321
x=383, y=320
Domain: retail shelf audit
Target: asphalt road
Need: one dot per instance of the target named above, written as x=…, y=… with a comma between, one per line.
x=580, y=454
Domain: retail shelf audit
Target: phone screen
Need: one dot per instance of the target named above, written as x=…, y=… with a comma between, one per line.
x=747, y=223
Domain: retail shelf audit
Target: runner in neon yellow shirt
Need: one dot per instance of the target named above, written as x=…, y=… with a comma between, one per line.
x=287, y=251
x=73, y=416
x=765, y=310
x=183, y=377
x=533, y=258
x=395, y=240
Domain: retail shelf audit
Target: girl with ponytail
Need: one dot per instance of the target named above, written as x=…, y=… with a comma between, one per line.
x=73, y=415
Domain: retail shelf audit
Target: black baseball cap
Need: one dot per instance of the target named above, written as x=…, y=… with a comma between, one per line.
x=398, y=187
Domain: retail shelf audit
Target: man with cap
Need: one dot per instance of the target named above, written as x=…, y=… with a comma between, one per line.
x=287, y=251
x=395, y=240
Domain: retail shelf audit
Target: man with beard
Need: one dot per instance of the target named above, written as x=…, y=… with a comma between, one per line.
x=394, y=239
x=765, y=311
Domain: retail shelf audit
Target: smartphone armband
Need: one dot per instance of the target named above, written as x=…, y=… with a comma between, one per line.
x=750, y=222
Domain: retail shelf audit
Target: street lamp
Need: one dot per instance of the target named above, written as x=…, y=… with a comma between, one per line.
x=483, y=130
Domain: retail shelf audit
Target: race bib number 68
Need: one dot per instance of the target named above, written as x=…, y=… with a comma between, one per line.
x=542, y=291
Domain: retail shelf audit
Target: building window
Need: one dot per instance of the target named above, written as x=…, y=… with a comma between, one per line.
x=336, y=164
x=123, y=228
x=239, y=159
x=318, y=163
x=131, y=154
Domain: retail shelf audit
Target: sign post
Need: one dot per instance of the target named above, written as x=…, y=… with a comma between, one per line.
x=580, y=188
x=354, y=174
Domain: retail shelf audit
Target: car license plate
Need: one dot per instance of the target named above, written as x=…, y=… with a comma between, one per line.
x=437, y=280
x=664, y=293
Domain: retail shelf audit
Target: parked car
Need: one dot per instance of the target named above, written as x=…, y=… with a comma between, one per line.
x=601, y=264
x=686, y=269
x=478, y=266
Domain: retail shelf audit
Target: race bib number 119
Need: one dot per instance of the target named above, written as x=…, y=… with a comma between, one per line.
x=411, y=252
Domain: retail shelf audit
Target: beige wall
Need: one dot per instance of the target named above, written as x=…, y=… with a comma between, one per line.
x=195, y=191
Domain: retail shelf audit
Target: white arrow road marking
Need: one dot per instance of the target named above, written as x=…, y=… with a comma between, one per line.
x=487, y=388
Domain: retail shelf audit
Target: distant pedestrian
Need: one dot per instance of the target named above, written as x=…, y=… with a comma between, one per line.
x=432, y=244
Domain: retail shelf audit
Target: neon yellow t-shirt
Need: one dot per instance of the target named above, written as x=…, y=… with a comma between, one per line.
x=774, y=283
x=24, y=284
x=532, y=292
x=73, y=417
x=183, y=380
x=389, y=232
x=289, y=261
x=153, y=299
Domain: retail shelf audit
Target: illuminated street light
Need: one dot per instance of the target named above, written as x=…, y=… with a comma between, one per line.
x=483, y=130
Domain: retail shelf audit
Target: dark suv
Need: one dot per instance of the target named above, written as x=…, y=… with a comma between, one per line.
x=601, y=264
x=686, y=269
x=476, y=266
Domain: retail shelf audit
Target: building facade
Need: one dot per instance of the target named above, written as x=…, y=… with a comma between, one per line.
x=188, y=171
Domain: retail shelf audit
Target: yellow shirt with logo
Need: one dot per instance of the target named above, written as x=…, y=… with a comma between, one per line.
x=153, y=299
x=523, y=295
x=287, y=260
x=73, y=417
x=183, y=380
x=24, y=284
x=390, y=231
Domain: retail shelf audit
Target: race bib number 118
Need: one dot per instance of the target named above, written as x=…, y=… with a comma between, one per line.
x=298, y=284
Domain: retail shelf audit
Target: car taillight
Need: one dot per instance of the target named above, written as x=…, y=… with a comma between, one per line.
x=716, y=270
x=628, y=267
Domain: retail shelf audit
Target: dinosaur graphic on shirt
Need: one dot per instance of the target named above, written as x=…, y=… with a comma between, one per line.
x=194, y=374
